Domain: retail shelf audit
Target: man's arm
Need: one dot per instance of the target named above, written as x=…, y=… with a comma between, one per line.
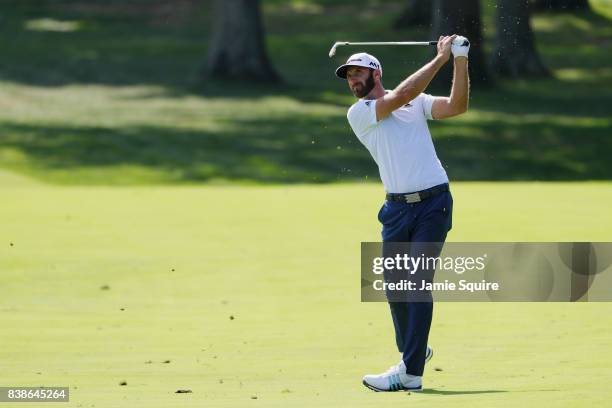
x=416, y=83
x=457, y=103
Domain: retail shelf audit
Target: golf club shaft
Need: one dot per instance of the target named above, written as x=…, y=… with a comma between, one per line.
x=332, y=52
x=390, y=43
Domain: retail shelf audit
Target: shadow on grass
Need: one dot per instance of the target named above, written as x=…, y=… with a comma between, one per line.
x=306, y=149
x=496, y=150
x=543, y=97
x=110, y=43
x=433, y=391
x=266, y=151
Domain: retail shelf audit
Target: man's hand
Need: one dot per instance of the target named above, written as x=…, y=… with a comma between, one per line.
x=461, y=47
x=457, y=102
x=444, y=47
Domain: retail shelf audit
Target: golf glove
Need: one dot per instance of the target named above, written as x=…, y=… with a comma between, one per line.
x=460, y=47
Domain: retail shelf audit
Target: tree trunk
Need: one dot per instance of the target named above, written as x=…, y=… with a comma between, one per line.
x=460, y=17
x=417, y=13
x=515, y=54
x=237, y=49
x=561, y=5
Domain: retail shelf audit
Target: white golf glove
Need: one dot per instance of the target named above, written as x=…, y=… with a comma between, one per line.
x=460, y=47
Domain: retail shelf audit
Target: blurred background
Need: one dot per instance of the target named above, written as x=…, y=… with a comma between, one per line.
x=194, y=91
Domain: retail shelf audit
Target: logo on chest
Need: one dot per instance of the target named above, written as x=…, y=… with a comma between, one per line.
x=406, y=113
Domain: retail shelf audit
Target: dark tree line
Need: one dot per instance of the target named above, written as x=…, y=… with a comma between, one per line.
x=416, y=13
x=514, y=51
x=237, y=49
x=561, y=5
x=462, y=17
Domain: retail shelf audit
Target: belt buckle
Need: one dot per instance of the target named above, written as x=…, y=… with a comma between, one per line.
x=412, y=198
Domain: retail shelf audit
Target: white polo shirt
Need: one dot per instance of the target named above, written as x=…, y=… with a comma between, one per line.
x=400, y=144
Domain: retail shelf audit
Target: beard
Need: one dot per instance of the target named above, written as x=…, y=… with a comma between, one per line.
x=363, y=89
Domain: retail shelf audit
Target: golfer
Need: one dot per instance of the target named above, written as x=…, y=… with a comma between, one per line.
x=392, y=125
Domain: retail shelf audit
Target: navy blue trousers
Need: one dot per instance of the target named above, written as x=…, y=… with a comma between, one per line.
x=425, y=221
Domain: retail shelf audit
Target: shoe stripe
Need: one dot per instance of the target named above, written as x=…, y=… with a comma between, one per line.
x=395, y=383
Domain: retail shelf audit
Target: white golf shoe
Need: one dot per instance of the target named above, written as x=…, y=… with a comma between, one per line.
x=394, y=379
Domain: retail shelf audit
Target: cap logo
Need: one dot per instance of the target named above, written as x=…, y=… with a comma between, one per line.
x=375, y=65
x=352, y=60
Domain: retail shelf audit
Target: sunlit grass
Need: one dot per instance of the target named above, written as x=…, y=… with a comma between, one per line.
x=103, y=284
x=580, y=74
x=603, y=7
x=53, y=25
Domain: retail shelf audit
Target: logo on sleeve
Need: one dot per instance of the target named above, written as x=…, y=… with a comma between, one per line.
x=368, y=103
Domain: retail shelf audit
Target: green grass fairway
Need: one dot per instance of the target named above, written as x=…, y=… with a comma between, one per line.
x=180, y=262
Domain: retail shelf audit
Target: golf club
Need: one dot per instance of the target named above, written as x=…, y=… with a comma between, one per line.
x=332, y=52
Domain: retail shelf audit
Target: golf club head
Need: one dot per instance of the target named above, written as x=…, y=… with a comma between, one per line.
x=332, y=52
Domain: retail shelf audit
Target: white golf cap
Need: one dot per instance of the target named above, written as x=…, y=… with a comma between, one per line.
x=360, y=59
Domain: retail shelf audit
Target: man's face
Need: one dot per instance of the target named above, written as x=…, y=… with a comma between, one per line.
x=360, y=80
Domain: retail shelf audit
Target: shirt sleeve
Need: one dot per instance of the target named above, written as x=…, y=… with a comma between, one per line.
x=362, y=117
x=426, y=103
